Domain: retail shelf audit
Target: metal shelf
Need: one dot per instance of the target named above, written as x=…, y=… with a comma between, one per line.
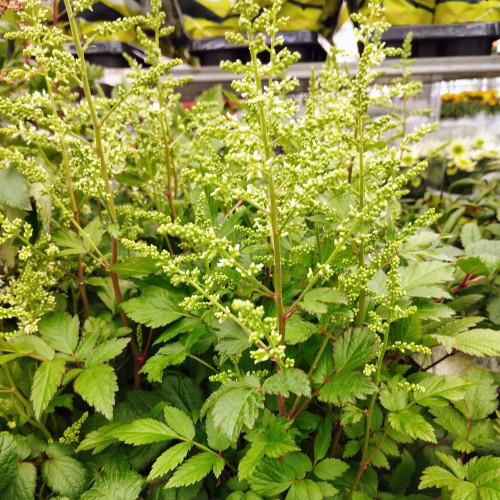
x=428, y=70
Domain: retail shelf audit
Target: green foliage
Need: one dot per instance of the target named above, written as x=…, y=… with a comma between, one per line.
x=198, y=304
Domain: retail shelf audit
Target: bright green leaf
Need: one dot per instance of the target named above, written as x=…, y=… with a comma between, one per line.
x=232, y=338
x=106, y=351
x=143, y=431
x=271, y=478
x=412, y=423
x=154, y=307
x=330, y=468
x=60, y=330
x=298, y=330
x=97, y=386
x=354, y=349
x=179, y=422
x=304, y=490
x=47, y=379
x=123, y=485
x=13, y=189
x=24, y=484
x=316, y=301
x=290, y=380
x=135, y=266
x=346, y=387
x=170, y=459
x=192, y=470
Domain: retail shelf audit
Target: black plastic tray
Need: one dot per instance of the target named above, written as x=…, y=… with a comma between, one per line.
x=439, y=40
x=211, y=51
x=110, y=54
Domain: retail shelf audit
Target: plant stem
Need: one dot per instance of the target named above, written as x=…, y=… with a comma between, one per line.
x=196, y=358
x=361, y=253
x=380, y=361
x=105, y=177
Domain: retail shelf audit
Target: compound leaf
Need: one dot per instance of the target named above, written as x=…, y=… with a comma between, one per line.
x=65, y=476
x=170, y=459
x=47, y=378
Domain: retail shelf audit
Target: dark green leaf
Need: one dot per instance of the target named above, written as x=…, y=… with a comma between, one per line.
x=65, y=476
x=8, y=460
x=298, y=330
x=169, y=355
x=135, y=266
x=473, y=266
x=182, y=326
x=24, y=484
x=216, y=439
x=271, y=478
x=123, y=485
x=323, y=439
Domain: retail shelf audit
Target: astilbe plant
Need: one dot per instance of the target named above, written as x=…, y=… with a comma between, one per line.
x=300, y=311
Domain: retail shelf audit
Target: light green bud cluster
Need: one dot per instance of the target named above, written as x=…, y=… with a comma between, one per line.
x=72, y=433
x=406, y=386
x=410, y=347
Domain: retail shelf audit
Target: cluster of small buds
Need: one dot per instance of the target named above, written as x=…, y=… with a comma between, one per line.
x=325, y=271
x=406, y=386
x=12, y=424
x=72, y=433
x=258, y=373
x=377, y=324
x=224, y=377
x=253, y=319
x=369, y=369
x=409, y=347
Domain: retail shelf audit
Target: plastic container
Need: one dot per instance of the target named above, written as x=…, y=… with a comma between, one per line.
x=110, y=54
x=439, y=40
x=211, y=51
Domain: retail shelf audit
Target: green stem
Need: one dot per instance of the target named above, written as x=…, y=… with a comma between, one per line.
x=380, y=361
x=196, y=358
x=361, y=253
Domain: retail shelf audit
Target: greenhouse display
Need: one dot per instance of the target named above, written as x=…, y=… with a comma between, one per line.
x=240, y=299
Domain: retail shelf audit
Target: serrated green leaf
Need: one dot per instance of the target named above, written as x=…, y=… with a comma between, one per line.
x=410, y=422
x=181, y=326
x=269, y=438
x=330, y=468
x=422, y=279
x=39, y=346
x=14, y=189
x=354, y=349
x=304, y=490
x=478, y=342
x=65, y=476
x=106, y=351
x=323, y=438
x=215, y=437
x=232, y=338
x=400, y=477
x=135, y=266
x=456, y=326
x=433, y=311
x=237, y=408
x=71, y=242
x=24, y=484
x=8, y=460
x=271, y=477
x=143, y=431
x=97, y=386
x=346, y=387
x=298, y=330
x=481, y=398
x=493, y=309
x=290, y=380
x=316, y=301
x=455, y=465
x=438, y=389
x=99, y=439
x=488, y=251
x=95, y=232
x=192, y=470
x=123, y=485
x=47, y=379
x=473, y=266
x=179, y=422
x=155, y=307
x=170, y=459
x=451, y=420
x=168, y=355
x=60, y=330
x=438, y=477
x=470, y=233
